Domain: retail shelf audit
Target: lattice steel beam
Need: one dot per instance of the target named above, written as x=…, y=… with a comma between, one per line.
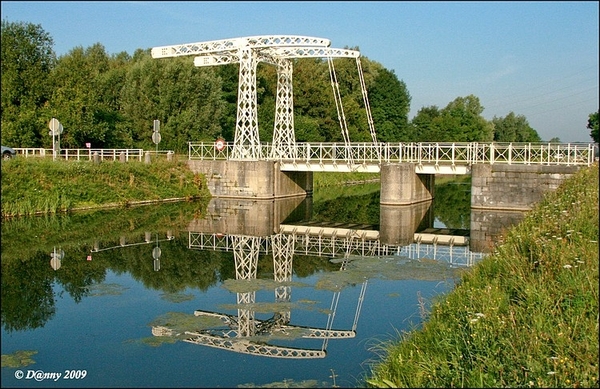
x=248, y=51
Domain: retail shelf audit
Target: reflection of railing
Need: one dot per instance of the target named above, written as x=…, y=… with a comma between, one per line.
x=226, y=338
x=123, y=244
x=339, y=246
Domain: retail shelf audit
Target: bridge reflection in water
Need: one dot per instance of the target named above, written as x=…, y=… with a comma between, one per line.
x=282, y=228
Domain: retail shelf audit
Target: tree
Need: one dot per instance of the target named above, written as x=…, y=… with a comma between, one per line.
x=390, y=104
x=187, y=101
x=514, y=128
x=424, y=123
x=27, y=58
x=85, y=98
x=314, y=106
x=459, y=121
x=593, y=126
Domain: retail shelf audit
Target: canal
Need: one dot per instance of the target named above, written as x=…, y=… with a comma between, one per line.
x=230, y=293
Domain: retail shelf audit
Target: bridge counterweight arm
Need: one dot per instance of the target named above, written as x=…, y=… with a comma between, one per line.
x=234, y=44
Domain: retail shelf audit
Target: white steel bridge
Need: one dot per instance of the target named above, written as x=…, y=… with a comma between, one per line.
x=429, y=158
x=340, y=243
x=279, y=51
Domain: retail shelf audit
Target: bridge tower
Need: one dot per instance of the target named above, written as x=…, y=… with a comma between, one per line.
x=277, y=50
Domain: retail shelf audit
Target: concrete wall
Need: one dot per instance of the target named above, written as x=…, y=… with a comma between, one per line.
x=514, y=187
x=400, y=185
x=252, y=179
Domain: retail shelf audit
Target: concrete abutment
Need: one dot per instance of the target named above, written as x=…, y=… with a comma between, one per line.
x=252, y=179
x=514, y=187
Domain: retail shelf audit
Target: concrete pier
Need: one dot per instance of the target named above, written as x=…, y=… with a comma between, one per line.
x=249, y=217
x=400, y=185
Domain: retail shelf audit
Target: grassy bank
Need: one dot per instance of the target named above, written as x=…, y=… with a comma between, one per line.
x=527, y=316
x=43, y=186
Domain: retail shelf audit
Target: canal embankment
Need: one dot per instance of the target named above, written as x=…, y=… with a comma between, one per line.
x=526, y=316
x=42, y=186
x=36, y=186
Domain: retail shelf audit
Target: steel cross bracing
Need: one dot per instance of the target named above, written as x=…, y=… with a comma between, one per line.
x=276, y=50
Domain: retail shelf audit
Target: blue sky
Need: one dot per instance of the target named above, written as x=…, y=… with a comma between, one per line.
x=537, y=59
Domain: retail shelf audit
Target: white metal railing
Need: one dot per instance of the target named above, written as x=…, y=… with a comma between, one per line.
x=83, y=154
x=32, y=151
x=418, y=153
x=103, y=154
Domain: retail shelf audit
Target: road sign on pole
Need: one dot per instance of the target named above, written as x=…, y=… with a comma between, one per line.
x=156, y=137
x=54, y=125
x=156, y=134
x=56, y=128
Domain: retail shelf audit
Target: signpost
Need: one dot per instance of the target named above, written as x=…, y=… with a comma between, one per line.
x=56, y=128
x=156, y=134
x=156, y=253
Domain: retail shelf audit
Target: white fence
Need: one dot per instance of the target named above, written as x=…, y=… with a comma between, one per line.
x=418, y=153
x=88, y=154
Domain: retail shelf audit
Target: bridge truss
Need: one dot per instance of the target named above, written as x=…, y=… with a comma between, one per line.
x=277, y=50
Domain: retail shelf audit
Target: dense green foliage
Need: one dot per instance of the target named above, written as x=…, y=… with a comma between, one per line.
x=593, y=126
x=55, y=186
x=514, y=128
x=526, y=316
x=111, y=101
x=26, y=64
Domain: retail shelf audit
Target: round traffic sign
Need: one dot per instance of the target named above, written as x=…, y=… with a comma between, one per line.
x=156, y=137
x=156, y=253
x=54, y=125
x=220, y=144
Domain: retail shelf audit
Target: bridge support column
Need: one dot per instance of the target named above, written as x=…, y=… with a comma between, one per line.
x=400, y=185
x=249, y=217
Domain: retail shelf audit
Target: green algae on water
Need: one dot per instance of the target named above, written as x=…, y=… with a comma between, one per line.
x=19, y=358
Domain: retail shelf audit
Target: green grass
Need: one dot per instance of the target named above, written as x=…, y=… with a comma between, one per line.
x=526, y=316
x=43, y=186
